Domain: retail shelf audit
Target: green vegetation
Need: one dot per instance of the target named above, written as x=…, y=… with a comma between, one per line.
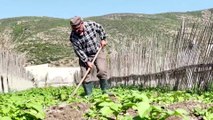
x=30, y=104
x=46, y=52
x=148, y=104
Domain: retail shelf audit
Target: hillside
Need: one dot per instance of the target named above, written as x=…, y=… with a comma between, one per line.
x=46, y=40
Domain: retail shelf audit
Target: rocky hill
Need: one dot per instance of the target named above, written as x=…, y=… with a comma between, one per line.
x=46, y=40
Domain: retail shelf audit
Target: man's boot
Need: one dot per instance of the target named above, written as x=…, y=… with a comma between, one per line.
x=105, y=86
x=88, y=88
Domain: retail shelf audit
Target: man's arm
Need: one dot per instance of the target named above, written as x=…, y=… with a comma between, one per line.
x=79, y=51
x=100, y=30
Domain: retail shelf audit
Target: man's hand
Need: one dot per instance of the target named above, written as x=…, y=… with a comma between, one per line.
x=89, y=64
x=103, y=43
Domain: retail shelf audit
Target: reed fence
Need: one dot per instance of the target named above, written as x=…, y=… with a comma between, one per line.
x=12, y=73
x=181, y=62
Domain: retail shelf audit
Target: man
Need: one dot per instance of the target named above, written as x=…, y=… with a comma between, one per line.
x=87, y=38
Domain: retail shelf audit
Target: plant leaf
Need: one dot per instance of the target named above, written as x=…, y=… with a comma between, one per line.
x=106, y=111
x=143, y=109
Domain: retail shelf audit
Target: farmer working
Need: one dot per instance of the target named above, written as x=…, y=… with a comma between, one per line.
x=87, y=38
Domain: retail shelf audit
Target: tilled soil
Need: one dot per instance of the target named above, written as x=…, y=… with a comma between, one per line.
x=76, y=111
x=189, y=106
x=73, y=111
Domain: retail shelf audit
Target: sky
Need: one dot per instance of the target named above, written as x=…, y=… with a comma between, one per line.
x=88, y=8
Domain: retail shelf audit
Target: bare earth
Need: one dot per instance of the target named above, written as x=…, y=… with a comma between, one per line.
x=76, y=111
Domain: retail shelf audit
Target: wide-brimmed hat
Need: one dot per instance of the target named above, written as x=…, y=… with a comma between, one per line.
x=75, y=21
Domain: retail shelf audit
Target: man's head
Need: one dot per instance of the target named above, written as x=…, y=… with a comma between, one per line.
x=77, y=24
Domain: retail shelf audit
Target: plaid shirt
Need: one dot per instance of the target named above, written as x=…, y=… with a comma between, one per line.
x=89, y=43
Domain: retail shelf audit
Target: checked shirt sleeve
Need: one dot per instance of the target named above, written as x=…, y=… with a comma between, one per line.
x=78, y=50
x=100, y=30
